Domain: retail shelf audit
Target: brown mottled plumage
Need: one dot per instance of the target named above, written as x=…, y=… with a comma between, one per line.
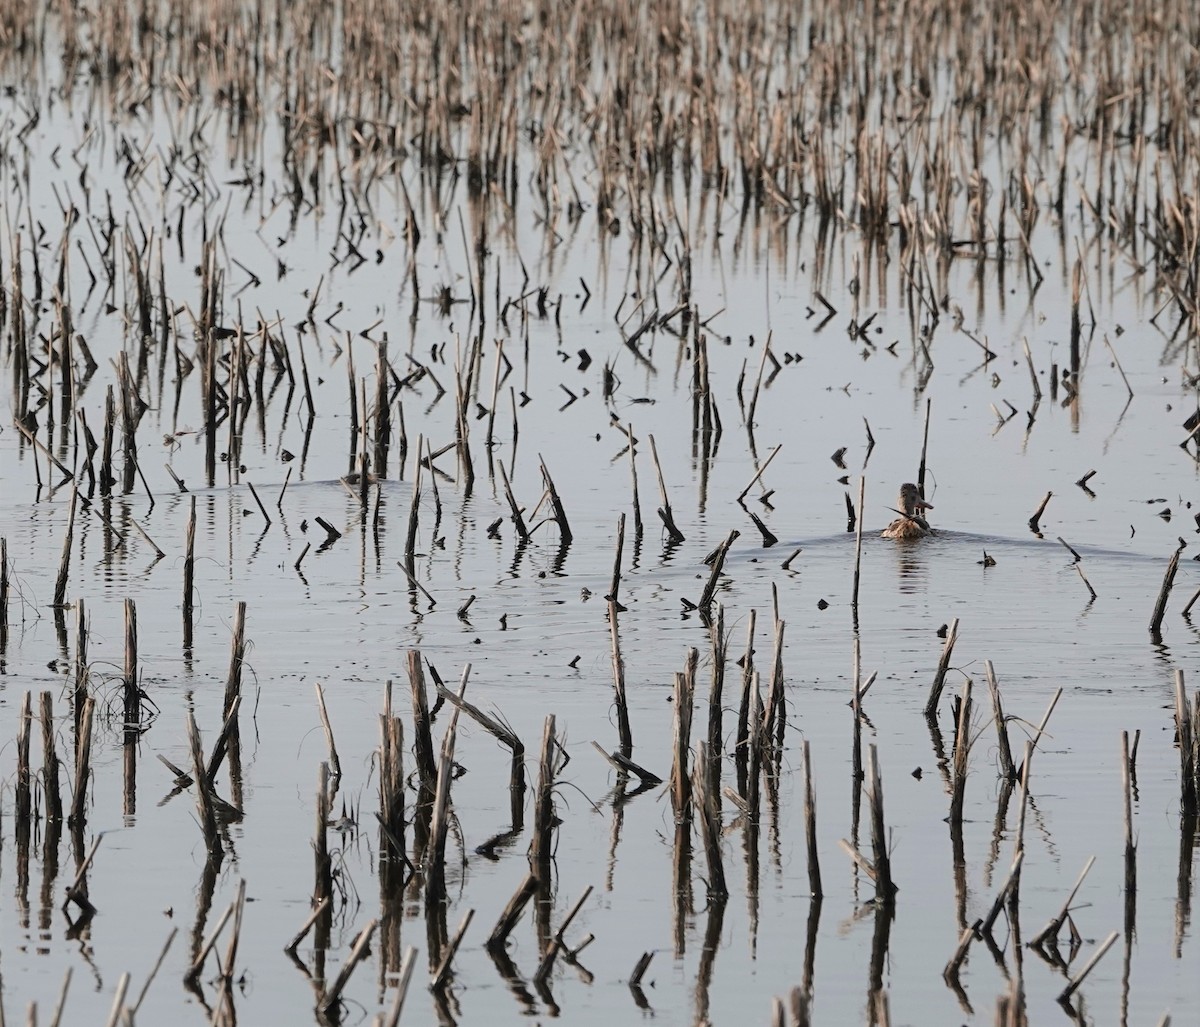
x=910, y=524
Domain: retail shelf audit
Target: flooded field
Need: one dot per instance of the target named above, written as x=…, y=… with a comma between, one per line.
x=571, y=358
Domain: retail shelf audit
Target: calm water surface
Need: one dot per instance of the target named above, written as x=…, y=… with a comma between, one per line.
x=537, y=636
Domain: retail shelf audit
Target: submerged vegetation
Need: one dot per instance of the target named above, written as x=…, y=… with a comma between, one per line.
x=217, y=211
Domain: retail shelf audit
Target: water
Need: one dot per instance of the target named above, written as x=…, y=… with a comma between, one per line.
x=537, y=635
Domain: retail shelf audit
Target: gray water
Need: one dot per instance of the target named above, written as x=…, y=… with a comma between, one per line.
x=537, y=636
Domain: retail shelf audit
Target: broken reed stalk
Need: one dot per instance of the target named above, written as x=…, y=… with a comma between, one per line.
x=1130, y=882
x=1035, y=520
x=720, y=649
x=24, y=793
x=560, y=513
x=77, y=891
x=1189, y=748
x=443, y=973
x=1007, y=770
x=391, y=783
x=435, y=848
x=210, y=943
x=1127, y=796
x=83, y=758
x=796, y=1013
x=939, y=677
x=962, y=752
x=237, y=657
x=543, y=801
x=704, y=801
x=406, y=971
x=1185, y=612
x=359, y=952
x=950, y=972
x=56, y=1016
x=558, y=942
x=262, y=509
x=512, y=912
x=516, y=777
x=189, y=574
x=1019, y=833
x=235, y=936
x=742, y=736
x=718, y=562
x=404, y=569
x=1050, y=931
x=762, y=364
x=60, y=584
x=131, y=409
x=681, y=792
x=1076, y=330
x=437, y=495
x=489, y=439
x=50, y=457
x=132, y=700
x=615, y=587
x=227, y=741
x=1002, y=895
x=924, y=448
x=514, y=510
x=1160, y=605
x=775, y=714
x=382, y=412
x=759, y=473
x=107, y=481
x=50, y=764
x=1037, y=735
x=1087, y=584
x=335, y=764
x=282, y=490
x=769, y=538
x=858, y=530
x=354, y=422
x=637, y=505
x=810, y=827
x=1037, y=388
x=1120, y=369
x=866, y=686
x=504, y=733
x=882, y=861
x=664, y=512
x=217, y=755
x=1070, y=549
x=322, y=864
x=410, y=537
x=640, y=968
x=624, y=729
x=1077, y=980
x=318, y=911
x=423, y=740
x=624, y=765
x=3, y=596
x=204, y=804
x=462, y=429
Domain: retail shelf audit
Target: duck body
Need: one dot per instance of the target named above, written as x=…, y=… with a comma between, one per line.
x=910, y=524
x=907, y=528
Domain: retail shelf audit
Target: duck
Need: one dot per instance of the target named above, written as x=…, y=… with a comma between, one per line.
x=910, y=523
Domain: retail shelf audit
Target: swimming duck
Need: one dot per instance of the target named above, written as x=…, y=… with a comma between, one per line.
x=910, y=523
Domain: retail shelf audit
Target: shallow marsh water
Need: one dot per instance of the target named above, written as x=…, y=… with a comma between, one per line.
x=537, y=635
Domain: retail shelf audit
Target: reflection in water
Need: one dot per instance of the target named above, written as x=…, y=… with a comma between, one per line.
x=910, y=556
x=1188, y=826
x=354, y=609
